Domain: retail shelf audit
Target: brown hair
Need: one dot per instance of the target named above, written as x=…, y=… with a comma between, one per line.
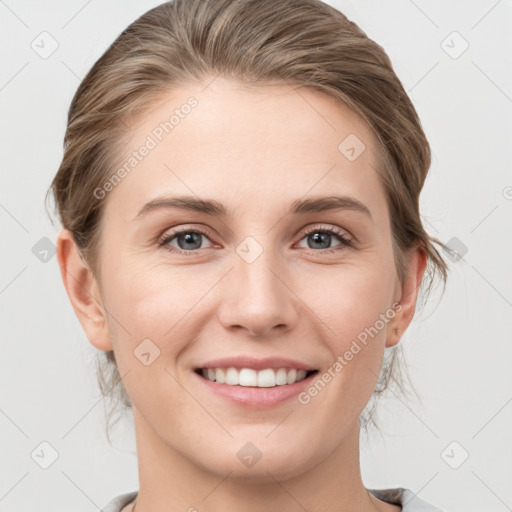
x=256, y=42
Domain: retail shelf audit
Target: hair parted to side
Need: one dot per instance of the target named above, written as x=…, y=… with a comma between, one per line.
x=304, y=43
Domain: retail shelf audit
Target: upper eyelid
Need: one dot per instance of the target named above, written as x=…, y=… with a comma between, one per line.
x=334, y=228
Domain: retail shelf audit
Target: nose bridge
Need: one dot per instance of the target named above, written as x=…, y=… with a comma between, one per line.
x=257, y=297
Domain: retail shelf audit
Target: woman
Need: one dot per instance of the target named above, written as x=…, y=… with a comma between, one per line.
x=273, y=139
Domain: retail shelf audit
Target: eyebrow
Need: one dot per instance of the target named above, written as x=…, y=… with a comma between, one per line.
x=216, y=209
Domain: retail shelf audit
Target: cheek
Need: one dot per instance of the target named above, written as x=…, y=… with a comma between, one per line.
x=354, y=306
x=151, y=325
x=348, y=299
x=157, y=310
x=150, y=300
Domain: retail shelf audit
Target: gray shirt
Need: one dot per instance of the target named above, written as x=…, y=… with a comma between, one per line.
x=398, y=496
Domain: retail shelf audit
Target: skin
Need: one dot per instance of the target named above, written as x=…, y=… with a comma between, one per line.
x=245, y=148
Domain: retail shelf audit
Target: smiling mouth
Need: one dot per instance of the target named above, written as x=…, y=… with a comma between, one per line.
x=248, y=377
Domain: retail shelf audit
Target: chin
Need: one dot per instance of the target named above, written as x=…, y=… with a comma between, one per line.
x=249, y=464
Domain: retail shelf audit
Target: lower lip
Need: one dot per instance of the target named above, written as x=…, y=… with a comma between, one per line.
x=257, y=397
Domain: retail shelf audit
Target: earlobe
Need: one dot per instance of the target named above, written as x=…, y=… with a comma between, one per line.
x=83, y=291
x=417, y=262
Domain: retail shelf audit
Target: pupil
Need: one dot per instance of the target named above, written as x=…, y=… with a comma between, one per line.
x=190, y=238
x=317, y=237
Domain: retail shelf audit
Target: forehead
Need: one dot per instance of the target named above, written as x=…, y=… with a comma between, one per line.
x=247, y=146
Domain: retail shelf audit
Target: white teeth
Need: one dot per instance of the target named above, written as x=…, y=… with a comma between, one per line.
x=267, y=378
x=281, y=377
x=232, y=377
x=248, y=377
x=301, y=374
x=292, y=376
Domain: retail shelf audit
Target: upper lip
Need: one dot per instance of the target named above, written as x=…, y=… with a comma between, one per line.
x=257, y=364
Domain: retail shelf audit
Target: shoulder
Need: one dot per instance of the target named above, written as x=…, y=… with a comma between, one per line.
x=119, y=502
x=409, y=501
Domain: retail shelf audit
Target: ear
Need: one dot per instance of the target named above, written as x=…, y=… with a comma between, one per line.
x=408, y=294
x=83, y=291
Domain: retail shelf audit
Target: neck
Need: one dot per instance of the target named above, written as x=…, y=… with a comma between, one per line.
x=168, y=481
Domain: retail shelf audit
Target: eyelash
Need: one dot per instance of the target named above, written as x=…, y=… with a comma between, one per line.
x=337, y=232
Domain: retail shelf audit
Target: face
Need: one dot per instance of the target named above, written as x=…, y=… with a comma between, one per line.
x=277, y=274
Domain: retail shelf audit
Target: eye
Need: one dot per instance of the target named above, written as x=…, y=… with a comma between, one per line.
x=321, y=237
x=188, y=240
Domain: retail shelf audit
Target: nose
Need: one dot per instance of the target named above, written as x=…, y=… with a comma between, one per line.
x=257, y=297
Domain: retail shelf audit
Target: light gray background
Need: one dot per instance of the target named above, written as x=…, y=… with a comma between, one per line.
x=459, y=351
